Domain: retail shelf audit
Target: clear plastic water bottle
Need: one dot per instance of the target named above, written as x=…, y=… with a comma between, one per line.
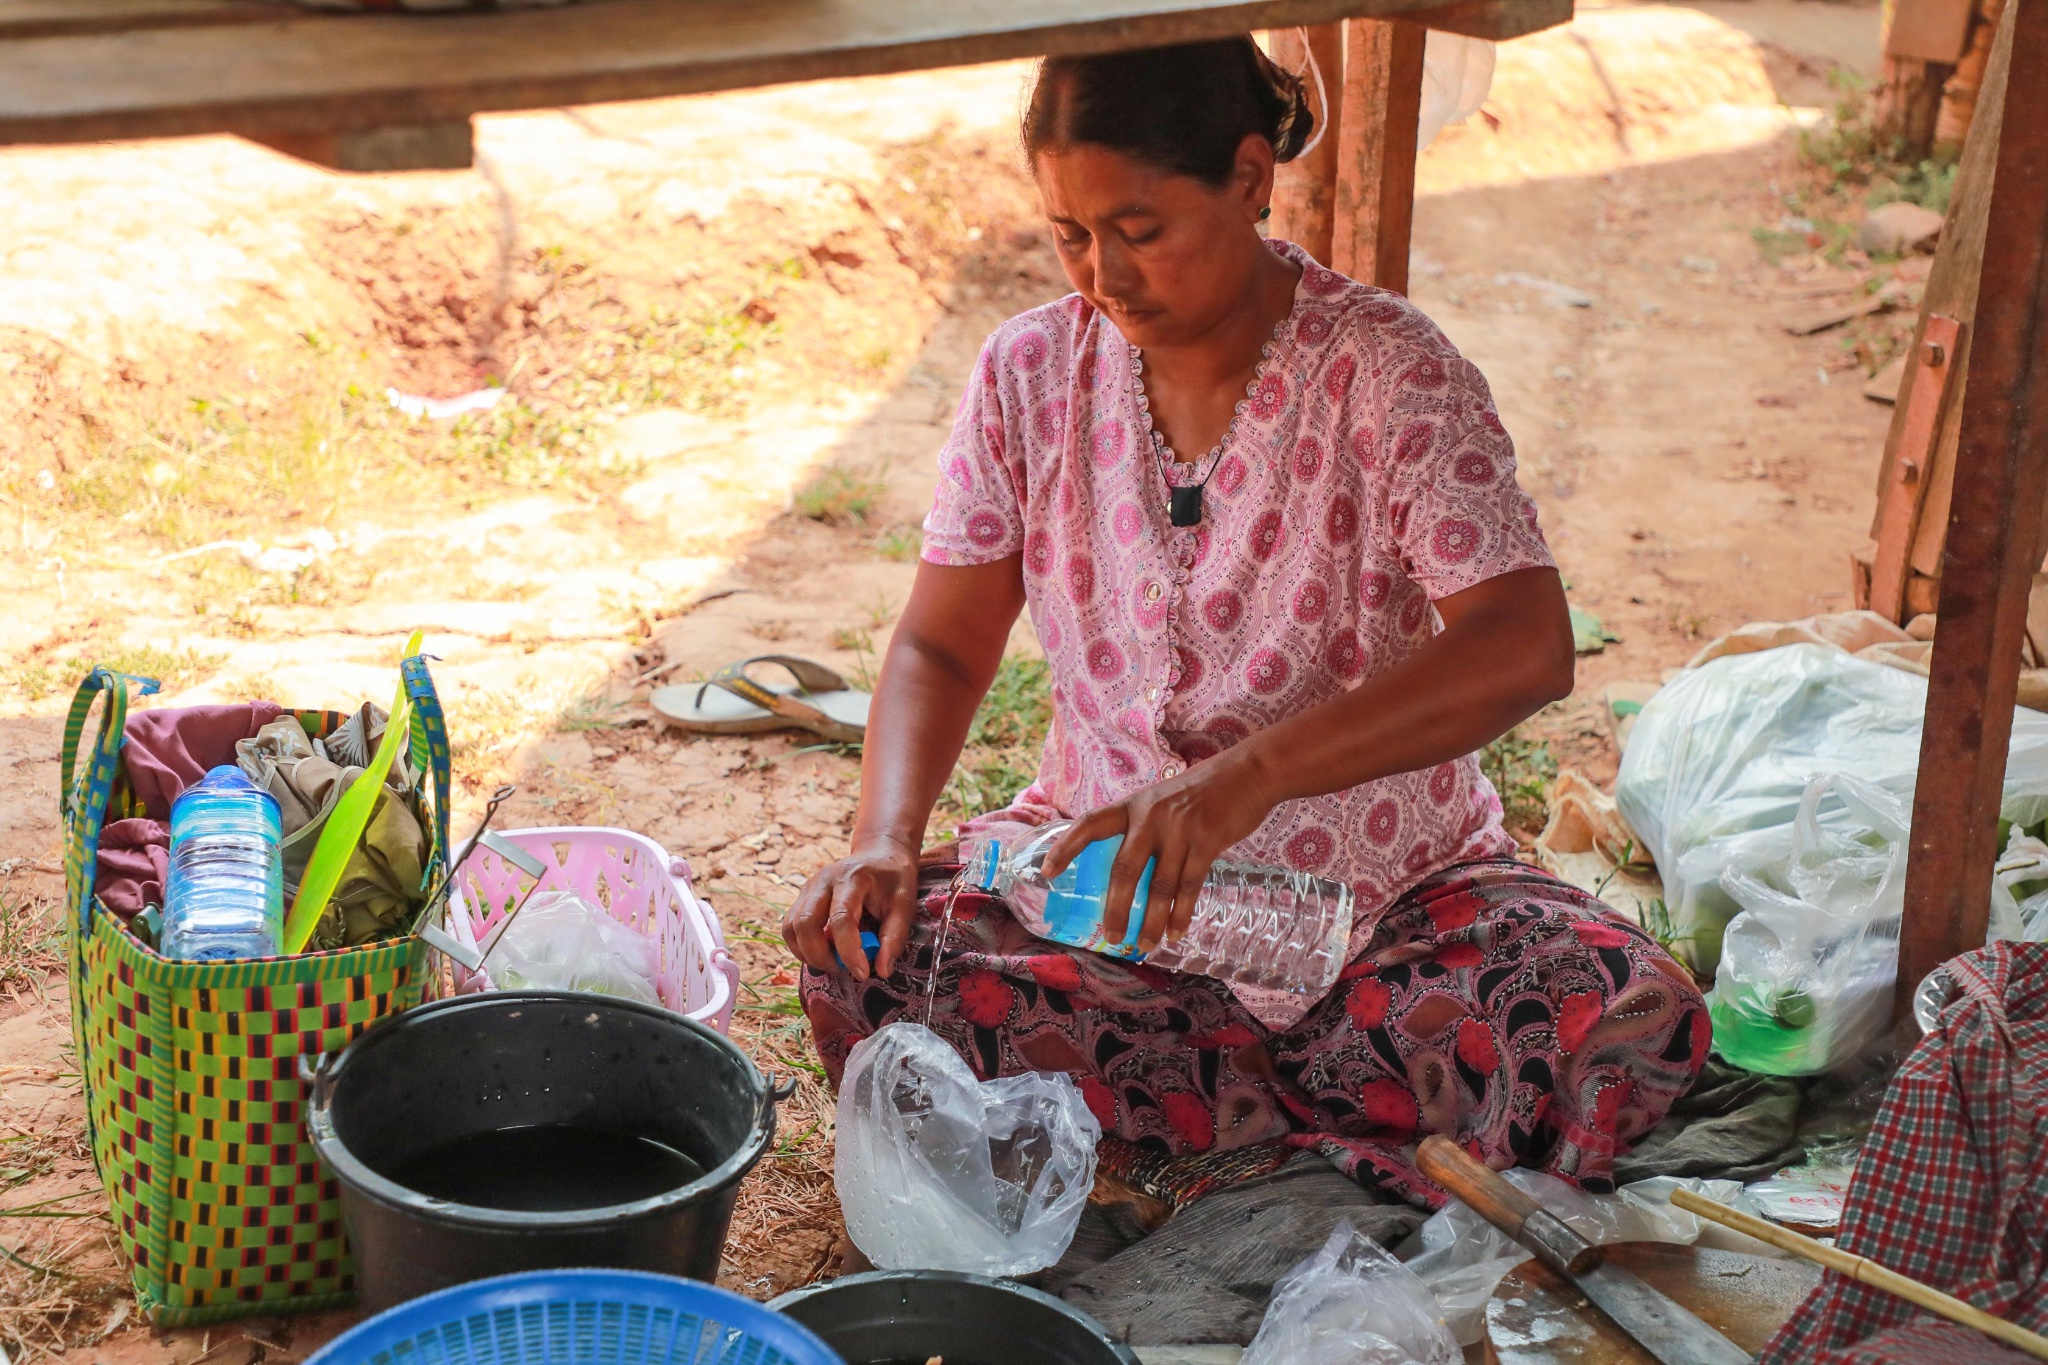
x=224, y=895
x=1256, y=926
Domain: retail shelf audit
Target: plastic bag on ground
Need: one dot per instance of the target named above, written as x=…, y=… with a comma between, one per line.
x=939, y=1171
x=559, y=941
x=1352, y=1304
x=1805, y=978
x=1811, y=1194
x=1463, y=1256
x=1720, y=759
x=2019, y=890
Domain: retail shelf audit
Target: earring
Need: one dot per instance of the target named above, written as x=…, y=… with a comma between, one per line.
x=1265, y=213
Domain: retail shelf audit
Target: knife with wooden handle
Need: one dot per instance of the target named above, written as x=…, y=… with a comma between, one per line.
x=1658, y=1324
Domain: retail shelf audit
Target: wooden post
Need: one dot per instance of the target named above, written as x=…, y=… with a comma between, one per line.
x=1305, y=191
x=1924, y=398
x=1922, y=41
x=1959, y=93
x=1952, y=293
x=1994, y=543
x=1377, y=125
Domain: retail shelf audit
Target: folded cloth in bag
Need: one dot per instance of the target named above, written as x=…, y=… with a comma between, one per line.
x=380, y=886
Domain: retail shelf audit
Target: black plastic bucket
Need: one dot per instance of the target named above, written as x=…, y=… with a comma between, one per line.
x=513, y=1059
x=892, y=1316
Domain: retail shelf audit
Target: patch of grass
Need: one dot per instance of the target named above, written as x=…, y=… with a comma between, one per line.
x=31, y=942
x=1775, y=245
x=24, y=1157
x=665, y=360
x=1931, y=185
x=1520, y=769
x=1850, y=150
x=256, y=686
x=902, y=543
x=316, y=437
x=589, y=711
x=1847, y=146
x=1658, y=924
x=1834, y=239
x=176, y=669
x=839, y=497
x=1003, y=745
x=1690, y=625
x=861, y=644
x=484, y=724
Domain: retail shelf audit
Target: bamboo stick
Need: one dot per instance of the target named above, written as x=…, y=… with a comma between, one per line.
x=1865, y=1271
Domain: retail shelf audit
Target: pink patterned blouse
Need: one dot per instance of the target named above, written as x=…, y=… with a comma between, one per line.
x=1365, y=474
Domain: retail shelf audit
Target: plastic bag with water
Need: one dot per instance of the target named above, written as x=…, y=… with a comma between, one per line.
x=1352, y=1304
x=1805, y=978
x=939, y=1171
x=559, y=941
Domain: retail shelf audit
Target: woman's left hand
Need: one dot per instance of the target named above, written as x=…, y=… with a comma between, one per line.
x=1183, y=823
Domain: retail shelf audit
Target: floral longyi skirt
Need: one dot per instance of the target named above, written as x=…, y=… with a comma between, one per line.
x=1494, y=1004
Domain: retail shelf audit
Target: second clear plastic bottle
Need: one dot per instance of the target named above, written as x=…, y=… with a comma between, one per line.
x=1267, y=927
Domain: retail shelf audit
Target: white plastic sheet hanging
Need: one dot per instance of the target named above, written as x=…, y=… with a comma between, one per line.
x=1322, y=105
x=1457, y=73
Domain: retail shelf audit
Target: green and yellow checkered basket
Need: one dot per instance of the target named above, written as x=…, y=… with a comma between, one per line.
x=192, y=1069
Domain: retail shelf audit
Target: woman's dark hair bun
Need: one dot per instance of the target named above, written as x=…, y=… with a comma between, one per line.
x=1184, y=108
x=1298, y=121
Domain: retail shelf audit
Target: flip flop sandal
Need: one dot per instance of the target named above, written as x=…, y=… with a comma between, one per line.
x=730, y=702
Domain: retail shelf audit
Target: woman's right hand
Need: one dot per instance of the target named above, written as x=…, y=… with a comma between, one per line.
x=878, y=882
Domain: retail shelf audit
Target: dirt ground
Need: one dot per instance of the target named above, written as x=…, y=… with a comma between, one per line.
x=733, y=329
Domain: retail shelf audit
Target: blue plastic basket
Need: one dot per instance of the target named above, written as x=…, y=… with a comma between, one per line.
x=579, y=1317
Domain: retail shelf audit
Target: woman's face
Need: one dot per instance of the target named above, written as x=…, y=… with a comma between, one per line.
x=1165, y=256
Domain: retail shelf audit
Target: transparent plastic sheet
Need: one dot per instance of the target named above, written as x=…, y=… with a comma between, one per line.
x=1812, y=1193
x=1720, y=759
x=560, y=941
x=1463, y=1256
x=939, y=1171
x=1352, y=1304
x=2019, y=890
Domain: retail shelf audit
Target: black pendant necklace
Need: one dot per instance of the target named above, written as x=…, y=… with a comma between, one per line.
x=1183, y=501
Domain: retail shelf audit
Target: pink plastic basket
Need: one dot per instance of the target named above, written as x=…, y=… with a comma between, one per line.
x=631, y=876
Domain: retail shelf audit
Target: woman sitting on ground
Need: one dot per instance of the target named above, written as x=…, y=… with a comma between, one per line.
x=1266, y=522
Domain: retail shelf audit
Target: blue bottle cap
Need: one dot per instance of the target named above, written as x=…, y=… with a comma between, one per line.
x=229, y=780
x=869, y=944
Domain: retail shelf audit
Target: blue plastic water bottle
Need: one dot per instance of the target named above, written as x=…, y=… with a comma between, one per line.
x=224, y=895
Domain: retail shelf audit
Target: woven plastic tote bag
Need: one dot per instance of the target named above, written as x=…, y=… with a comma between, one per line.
x=193, y=1089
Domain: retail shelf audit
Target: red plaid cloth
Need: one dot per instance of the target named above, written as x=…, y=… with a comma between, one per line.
x=1952, y=1187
